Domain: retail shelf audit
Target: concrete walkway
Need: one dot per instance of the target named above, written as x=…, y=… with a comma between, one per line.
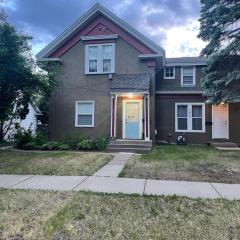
x=122, y=185
x=114, y=167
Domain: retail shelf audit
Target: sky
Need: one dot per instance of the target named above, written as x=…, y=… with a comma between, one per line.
x=172, y=24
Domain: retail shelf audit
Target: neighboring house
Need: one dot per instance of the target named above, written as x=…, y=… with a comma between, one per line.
x=116, y=82
x=30, y=122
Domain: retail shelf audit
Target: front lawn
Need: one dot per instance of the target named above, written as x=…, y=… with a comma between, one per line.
x=67, y=215
x=51, y=163
x=190, y=163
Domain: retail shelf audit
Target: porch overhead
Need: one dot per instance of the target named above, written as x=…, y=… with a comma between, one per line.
x=136, y=83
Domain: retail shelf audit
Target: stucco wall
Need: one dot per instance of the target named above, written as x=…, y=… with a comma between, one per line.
x=74, y=85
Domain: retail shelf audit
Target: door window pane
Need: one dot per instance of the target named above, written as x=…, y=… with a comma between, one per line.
x=132, y=112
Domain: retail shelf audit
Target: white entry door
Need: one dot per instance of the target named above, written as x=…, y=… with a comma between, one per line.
x=220, y=120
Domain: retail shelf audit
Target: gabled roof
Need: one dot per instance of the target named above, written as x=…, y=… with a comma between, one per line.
x=130, y=83
x=184, y=61
x=85, y=19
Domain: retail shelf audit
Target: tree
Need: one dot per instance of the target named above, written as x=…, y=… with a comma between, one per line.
x=21, y=81
x=220, y=27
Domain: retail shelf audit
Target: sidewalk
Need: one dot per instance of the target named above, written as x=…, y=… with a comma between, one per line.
x=122, y=185
x=106, y=180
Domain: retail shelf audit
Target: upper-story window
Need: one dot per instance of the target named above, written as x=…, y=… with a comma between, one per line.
x=169, y=72
x=188, y=76
x=100, y=58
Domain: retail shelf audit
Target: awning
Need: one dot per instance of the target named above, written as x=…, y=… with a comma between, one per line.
x=130, y=83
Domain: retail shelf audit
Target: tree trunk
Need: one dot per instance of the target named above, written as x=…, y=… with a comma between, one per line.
x=1, y=131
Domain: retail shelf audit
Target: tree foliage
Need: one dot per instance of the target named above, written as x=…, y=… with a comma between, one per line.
x=21, y=81
x=220, y=27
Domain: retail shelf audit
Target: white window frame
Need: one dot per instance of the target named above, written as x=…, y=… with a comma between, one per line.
x=76, y=114
x=99, y=59
x=194, y=76
x=189, y=117
x=165, y=77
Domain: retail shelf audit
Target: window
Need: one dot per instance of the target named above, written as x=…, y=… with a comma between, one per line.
x=190, y=117
x=84, y=114
x=188, y=76
x=169, y=72
x=100, y=58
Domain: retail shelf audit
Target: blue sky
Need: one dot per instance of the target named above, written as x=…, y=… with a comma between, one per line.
x=173, y=24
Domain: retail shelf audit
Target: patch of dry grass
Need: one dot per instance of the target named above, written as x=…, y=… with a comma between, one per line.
x=51, y=163
x=190, y=163
x=51, y=215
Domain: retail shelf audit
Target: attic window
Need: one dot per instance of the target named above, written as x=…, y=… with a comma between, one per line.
x=100, y=58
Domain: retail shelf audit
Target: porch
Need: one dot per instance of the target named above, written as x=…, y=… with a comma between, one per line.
x=130, y=112
x=130, y=107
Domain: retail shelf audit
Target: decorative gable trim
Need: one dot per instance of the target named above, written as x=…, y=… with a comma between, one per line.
x=80, y=28
x=99, y=37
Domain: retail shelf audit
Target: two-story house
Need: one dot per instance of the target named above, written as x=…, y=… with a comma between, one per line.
x=114, y=81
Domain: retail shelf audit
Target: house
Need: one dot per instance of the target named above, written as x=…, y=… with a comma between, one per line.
x=30, y=122
x=116, y=82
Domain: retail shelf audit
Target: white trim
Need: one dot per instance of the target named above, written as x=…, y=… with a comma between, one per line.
x=177, y=64
x=100, y=58
x=99, y=37
x=149, y=117
x=111, y=116
x=227, y=121
x=124, y=116
x=194, y=77
x=173, y=77
x=127, y=93
x=179, y=92
x=115, y=116
x=150, y=56
x=76, y=113
x=189, y=117
x=50, y=48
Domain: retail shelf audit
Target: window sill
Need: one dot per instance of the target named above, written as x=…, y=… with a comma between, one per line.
x=187, y=131
x=84, y=126
x=169, y=77
x=98, y=73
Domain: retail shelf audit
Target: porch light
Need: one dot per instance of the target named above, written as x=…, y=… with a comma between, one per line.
x=130, y=95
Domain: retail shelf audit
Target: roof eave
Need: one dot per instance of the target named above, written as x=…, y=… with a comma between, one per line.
x=51, y=47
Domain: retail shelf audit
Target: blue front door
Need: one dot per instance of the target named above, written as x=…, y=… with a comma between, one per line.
x=132, y=120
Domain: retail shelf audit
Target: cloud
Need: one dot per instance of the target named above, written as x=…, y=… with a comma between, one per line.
x=158, y=19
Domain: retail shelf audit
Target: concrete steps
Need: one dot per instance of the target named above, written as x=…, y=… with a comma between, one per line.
x=132, y=146
x=223, y=143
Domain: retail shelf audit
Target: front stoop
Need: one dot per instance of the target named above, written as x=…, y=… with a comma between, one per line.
x=224, y=144
x=132, y=146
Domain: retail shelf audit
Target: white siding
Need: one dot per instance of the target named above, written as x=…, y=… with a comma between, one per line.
x=30, y=122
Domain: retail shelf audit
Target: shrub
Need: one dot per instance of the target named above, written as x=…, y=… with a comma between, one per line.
x=50, y=146
x=63, y=146
x=31, y=146
x=72, y=140
x=40, y=138
x=86, y=144
x=101, y=144
x=23, y=137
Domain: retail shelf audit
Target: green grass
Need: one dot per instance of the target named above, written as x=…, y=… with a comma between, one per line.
x=51, y=163
x=190, y=163
x=51, y=215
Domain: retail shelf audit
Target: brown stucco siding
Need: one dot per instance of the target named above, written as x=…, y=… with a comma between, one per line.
x=165, y=118
x=175, y=84
x=234, y=122
x=74, y=85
